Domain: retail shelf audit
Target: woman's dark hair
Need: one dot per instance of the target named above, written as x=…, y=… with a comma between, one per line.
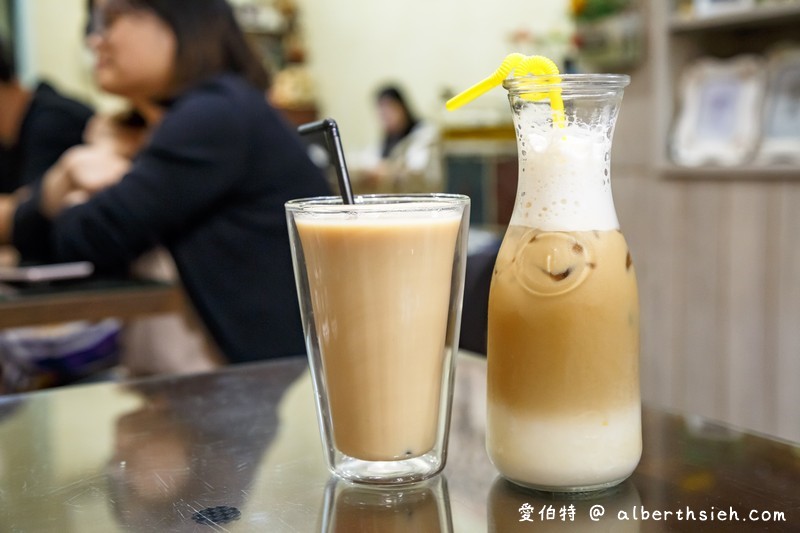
x=391, y=92
x=209, y=40
x=7, y=72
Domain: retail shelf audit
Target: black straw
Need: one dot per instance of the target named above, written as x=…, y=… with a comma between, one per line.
x=333, y=143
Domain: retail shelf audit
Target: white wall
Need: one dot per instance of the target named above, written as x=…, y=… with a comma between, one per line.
x=428, y=46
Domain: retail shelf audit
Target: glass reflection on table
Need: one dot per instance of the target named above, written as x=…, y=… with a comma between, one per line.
x=420, y=507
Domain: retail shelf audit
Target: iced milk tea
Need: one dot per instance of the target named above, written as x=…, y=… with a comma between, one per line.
x=563, y=332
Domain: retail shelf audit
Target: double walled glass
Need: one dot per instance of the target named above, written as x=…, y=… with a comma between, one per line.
x=380, y=285
x=563, y=410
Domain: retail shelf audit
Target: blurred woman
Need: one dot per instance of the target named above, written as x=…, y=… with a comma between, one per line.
x=208, y=184
x=408, y=158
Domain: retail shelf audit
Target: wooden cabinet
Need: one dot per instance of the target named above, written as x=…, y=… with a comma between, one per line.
x=481, y=162
x=716, y=249
x=274, y=31
x=678, y=40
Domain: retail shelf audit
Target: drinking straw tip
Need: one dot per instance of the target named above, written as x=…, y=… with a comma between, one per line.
x=333, y=143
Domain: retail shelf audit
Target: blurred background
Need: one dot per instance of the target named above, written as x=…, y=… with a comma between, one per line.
x=346, y=49
x=706, y=161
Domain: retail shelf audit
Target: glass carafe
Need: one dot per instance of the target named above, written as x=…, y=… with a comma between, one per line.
x=564, y=408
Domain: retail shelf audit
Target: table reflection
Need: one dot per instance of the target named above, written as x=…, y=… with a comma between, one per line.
x=155, y=455
x=421, y=507
x=166, y=466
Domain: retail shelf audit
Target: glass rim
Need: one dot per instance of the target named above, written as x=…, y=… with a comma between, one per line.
x=567, y=82
x=376, y=202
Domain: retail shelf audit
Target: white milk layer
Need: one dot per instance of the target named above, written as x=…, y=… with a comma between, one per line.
x=564, y=176
x=589, y=449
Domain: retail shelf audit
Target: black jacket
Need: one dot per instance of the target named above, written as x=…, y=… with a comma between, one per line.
x=210, y=186
x=52, y=123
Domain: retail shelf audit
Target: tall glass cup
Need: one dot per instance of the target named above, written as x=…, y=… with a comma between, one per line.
x=563, y=411
x=380, y=285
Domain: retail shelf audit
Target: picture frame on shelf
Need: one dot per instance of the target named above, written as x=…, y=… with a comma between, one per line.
x=780, y=142
x=720, y=114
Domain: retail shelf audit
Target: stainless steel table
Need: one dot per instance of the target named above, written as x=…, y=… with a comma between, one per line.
x=241, y=446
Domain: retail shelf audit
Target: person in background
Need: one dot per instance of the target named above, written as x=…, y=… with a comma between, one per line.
x=209, y=184
x=408, y=157
x=36, y=127
x=170, y=343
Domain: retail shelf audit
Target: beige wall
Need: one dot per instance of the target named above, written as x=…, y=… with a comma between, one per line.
x=429, y=46
x=54, y=47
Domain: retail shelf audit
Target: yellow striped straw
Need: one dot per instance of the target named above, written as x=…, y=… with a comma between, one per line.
x=485, y=85
x=518, y=64
x=543, y=66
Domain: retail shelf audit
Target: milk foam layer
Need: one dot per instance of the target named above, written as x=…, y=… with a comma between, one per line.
x=586, y=449
x=564, y=175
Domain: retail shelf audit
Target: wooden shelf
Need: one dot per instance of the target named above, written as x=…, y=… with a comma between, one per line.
x=260, y=32
x=683, y=40
x=739, y=173
x=499, y=132
x=756, y=17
